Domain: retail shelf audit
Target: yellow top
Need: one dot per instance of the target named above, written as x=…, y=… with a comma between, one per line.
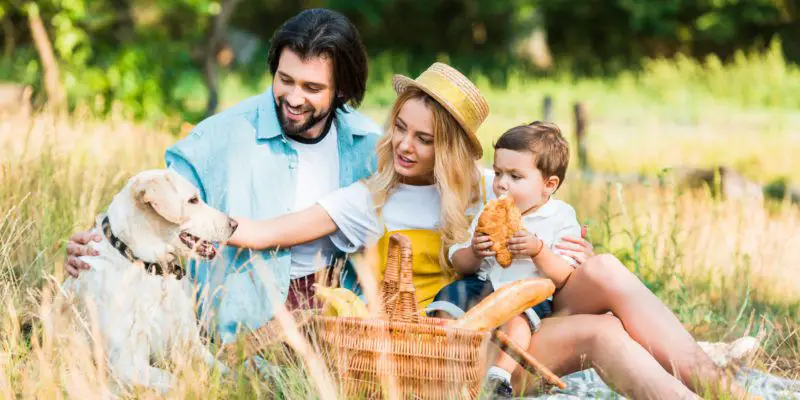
x=428, y=276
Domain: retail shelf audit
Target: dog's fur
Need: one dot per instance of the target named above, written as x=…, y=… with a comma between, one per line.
x=143, y=316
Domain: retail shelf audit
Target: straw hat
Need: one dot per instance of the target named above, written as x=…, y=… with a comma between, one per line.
x=455, y=93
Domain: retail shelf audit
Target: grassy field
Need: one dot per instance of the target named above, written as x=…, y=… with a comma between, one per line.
x=726, y=267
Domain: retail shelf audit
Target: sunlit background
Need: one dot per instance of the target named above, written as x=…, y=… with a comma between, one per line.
x=688, y=169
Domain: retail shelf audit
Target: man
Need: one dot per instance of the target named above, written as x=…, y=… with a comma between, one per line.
x=273, y=154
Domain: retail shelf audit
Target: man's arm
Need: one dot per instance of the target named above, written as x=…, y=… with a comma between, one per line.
x=177, y=161
x=78, y=246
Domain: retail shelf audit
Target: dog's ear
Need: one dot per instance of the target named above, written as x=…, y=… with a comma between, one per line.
x=160, y=193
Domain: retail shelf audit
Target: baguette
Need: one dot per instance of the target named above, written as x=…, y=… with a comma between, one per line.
x=506, y=303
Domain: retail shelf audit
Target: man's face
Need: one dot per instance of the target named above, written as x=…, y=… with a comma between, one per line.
x=304, y=93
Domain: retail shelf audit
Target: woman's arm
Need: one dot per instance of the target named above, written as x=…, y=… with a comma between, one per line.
x=285, y=231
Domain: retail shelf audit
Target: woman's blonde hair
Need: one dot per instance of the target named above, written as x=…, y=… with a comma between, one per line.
x=456, y=173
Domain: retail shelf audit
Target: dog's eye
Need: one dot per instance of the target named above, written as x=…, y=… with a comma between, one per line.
x=194, y=200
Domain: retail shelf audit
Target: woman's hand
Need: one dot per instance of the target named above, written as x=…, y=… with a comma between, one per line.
x=78, y=246
x=578, y=249
x=482, y=246
x=525, y=243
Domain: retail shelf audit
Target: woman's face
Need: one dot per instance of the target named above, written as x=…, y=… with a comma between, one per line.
x=412, y=143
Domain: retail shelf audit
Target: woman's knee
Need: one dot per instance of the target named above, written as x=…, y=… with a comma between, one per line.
x=607, y=272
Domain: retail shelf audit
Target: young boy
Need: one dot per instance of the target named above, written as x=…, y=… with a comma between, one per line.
x=530, y=163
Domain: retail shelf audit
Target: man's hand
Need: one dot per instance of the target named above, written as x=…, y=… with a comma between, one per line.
x=578, y=249
x=525, y=243
x=482, y=245
x=79, y=246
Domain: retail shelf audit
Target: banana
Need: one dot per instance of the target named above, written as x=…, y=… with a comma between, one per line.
x=341, y=302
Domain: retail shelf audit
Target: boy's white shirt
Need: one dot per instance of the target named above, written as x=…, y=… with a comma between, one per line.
x=551, y=222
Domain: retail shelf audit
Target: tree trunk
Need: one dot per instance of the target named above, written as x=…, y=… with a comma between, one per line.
x=219, y=25
x=9, y=40
x=532, y=45
x=52, y=78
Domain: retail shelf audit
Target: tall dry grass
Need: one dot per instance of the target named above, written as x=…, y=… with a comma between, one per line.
x=726, y=268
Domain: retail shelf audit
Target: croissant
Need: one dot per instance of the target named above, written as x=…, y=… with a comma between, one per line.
x=500, y=219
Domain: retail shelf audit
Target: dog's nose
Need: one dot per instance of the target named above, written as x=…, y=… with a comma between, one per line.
x=233, y=224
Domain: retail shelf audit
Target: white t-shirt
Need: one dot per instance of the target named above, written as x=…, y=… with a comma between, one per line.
x=317, y=176
x=408, y=207
x=551, y=222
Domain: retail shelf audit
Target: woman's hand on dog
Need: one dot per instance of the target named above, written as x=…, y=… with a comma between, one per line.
x=77, y=247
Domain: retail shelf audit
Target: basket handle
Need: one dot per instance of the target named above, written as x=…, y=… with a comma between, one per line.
x=399, y=293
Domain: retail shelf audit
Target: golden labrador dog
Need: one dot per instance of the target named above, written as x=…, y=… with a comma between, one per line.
x=136, y=288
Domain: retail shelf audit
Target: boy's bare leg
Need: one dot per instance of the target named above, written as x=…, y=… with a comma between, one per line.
x=572, y=343
x=603, y=284
x=519, y=331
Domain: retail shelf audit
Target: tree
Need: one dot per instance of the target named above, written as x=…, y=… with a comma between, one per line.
x=52, y=78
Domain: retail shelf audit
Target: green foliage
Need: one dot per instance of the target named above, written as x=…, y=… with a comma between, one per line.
x=145, y=54
x=603, y=36
x=131, y=54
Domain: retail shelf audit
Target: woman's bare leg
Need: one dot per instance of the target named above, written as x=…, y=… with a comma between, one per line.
x=576, y=342
x=603, y=284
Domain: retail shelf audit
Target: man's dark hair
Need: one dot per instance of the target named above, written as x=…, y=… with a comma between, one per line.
x=321, y=32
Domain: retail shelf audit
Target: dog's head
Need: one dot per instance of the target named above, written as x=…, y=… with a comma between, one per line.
x=175, y=213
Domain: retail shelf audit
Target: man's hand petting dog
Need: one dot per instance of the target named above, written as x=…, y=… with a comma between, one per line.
x=78, y=246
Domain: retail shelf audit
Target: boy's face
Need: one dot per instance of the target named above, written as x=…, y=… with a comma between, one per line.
x=516, y=174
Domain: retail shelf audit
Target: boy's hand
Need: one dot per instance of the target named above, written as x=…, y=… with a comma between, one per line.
x=482, y=245
x=525, y=243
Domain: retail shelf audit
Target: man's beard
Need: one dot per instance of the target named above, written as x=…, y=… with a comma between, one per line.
x=293, y=129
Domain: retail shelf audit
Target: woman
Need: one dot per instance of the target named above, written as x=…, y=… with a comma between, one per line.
x=438, y=113
x=426, y=184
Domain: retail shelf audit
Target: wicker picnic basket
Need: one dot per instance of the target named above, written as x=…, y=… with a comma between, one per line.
x=402, y=352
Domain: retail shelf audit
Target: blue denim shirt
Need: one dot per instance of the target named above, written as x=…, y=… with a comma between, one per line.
x=244, y=166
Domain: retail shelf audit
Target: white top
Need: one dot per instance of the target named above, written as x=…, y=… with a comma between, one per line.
x=408, y=207
x=317, y=176
x=551, y=222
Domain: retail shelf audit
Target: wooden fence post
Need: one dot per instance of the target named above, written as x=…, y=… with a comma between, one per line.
x=547, y=109
x=580, y=136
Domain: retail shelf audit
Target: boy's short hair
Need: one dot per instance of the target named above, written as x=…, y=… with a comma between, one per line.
x=544, y=140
